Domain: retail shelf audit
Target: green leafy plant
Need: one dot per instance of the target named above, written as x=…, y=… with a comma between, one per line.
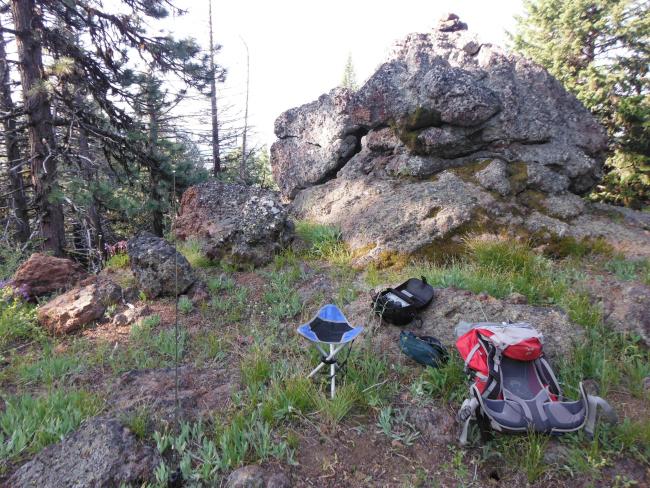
x=30, y=423
x=137, y=421
x=117, y=261
x=220, y=283
x=185, y=305
x=394, y=425
x=49, y=368
x=17, y=319
x=193, y=251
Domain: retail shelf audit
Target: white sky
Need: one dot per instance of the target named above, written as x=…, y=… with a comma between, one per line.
x=298, y=48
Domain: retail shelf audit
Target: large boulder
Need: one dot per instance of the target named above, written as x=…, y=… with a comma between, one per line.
x=79, y=306
x=449, y=133
x=42, y=274
x=102, y=453
x=236, y=223
x=158, y=267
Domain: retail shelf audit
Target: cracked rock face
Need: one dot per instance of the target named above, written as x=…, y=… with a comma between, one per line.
x=236, y=223
x=446, y=129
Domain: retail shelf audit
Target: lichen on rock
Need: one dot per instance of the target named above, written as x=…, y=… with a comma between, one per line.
x=376, y=161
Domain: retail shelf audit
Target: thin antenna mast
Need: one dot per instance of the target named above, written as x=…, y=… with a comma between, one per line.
x=175, y=477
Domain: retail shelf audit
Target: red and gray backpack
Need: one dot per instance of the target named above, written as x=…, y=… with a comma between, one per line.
x=513, y=386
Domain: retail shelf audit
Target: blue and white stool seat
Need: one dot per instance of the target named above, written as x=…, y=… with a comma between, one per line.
x=329, y=326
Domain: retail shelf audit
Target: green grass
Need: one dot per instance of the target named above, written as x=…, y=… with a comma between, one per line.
x=29, y=423
x=324, y=241
x=281, y=298
x=207, y=347
x=117, y=261
x=206, y=454
x=393, y=424
x=255, y=367
x=628, y=270
x=50, y=368
x=138, y=421
x=521, y=452
x=193, y=251
x=185, y=305
x=333, y=410
x=229, y=308
x=220, y=283
x=447, y=382
x=293, y=396
x=17, y=320
x=148, y=345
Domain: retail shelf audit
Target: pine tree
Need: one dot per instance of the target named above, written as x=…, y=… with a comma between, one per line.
x=17, y=194
x=97, y=56
x=600, y=51
x=29, y=28
x=349, y=75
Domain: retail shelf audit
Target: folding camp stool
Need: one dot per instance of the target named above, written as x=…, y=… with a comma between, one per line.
x=330, y=327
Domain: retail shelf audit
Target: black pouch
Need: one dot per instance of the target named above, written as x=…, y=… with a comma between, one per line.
x=425, y=350
x=400, y=305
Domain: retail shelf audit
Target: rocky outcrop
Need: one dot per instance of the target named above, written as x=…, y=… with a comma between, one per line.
x=41, y=275
x=238, y=224
x=158, y=267
x=79, y=306
x=102, y=453
x=447, y=133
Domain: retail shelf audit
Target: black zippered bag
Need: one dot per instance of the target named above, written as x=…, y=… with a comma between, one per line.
x=400, y=305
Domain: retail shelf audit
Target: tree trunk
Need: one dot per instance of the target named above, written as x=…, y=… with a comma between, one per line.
x=154, y=170
x=17, y=199
x=90, y=176
x=216, y=159
x=28, y=25
x=244, y=156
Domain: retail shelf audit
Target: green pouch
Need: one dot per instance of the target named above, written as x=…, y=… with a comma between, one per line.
x=425, y=350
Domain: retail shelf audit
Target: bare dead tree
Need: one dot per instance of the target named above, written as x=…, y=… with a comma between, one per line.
x=244, y=155
x=216, y=161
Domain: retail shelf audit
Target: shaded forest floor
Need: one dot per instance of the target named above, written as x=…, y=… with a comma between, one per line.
x=245, y=399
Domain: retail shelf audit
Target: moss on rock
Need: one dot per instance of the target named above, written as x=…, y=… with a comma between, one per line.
x=518, y=176
x=467, y=172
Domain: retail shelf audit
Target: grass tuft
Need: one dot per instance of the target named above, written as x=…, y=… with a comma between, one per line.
x=117, y=261
x=193, y=251
x=324, y=241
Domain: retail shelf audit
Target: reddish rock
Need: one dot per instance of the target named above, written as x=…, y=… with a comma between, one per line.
x=78, y=307
x=42, y=274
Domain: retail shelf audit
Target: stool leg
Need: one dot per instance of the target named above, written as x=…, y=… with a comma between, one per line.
x=332, y=370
